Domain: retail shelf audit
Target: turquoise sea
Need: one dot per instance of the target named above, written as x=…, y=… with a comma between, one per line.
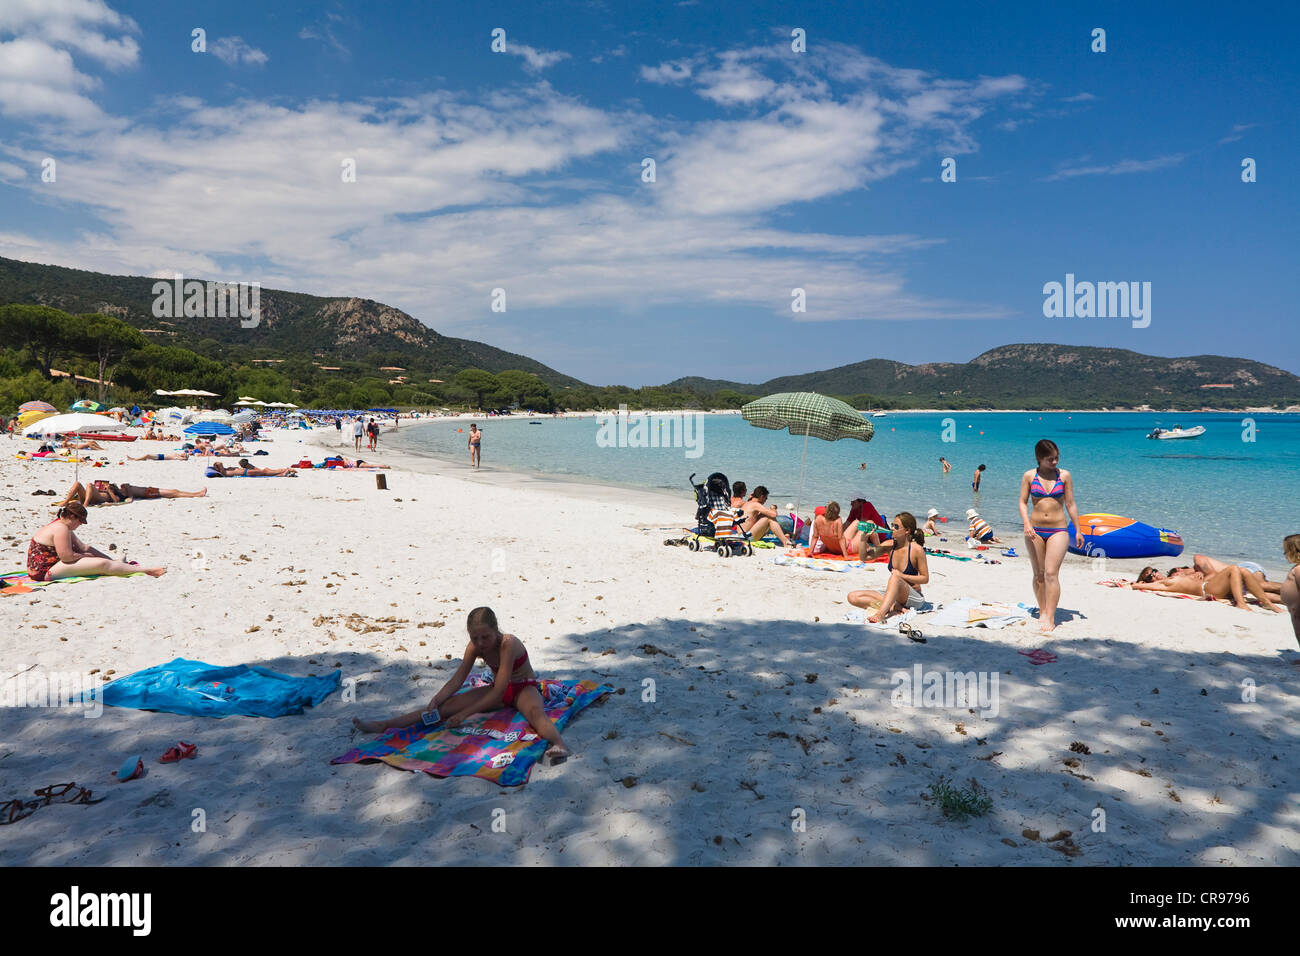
x=1233, y=493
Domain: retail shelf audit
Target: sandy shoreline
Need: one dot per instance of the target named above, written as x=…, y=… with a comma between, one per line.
x=766, y=702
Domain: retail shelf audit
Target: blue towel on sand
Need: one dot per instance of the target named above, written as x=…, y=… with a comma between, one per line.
x=193, y=687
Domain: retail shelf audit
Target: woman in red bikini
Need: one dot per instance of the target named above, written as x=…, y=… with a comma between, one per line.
x=55, y=552
x=516, y=686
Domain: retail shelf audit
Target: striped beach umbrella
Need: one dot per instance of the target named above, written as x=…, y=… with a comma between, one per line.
x=209, y=428
x=811, y=415
x=36, y=407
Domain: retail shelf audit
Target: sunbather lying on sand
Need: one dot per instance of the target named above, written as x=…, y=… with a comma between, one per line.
x=1208, y=565
x=161, y=456
x=516, y=686
x=355, y=463
x=1227, y=584
x=70, y=446
x=107, y=493
x=55, y=552
x=245, y=470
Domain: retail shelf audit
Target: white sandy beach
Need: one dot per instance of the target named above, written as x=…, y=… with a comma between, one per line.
x=766, y=701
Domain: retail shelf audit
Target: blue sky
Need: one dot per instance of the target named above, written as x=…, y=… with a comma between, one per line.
x=775, y=170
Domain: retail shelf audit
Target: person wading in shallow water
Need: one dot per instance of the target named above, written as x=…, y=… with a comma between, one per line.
x=475, y=445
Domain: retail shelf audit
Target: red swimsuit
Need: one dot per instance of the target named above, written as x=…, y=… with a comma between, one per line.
x=40, y=558
x=515, y=687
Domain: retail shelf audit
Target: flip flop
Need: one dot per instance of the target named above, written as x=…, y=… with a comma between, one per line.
x=911, y=633
x=11, y=811
x=557, y=759
x=132, y=768
x=181, y=751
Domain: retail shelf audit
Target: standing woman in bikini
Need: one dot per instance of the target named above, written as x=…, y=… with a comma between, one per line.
x=1046, y=496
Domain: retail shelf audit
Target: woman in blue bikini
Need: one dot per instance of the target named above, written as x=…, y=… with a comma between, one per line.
x=1046, y=496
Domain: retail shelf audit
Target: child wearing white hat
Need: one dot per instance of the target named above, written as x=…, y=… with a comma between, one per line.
x=980, y=529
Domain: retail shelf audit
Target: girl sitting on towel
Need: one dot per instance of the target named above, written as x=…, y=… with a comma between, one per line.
x=908, y=570
x=516, y=686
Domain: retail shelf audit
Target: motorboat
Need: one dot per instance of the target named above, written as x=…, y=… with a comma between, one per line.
x=1166, y=434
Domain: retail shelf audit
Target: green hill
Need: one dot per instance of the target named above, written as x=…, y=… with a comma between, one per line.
x=292, y=323
x=1042, y=376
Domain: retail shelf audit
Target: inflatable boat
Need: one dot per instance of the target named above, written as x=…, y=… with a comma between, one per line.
x=1115, y=536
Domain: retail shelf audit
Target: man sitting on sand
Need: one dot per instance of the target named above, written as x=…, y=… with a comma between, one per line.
x=245, y=470
x=1227, y=584
x=760, y=520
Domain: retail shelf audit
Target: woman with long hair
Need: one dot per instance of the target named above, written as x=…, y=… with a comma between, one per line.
x=907, y=572
x=1047, y=507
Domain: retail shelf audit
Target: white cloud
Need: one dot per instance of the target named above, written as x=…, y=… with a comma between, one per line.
x=824, y=130
x=81, y=25
x=325, y=33
x=458, y=194
x=1236, y=133
x=233, y=51
x=1117, y=169
x=535, y=60
x=673, y=71
x=1078, y=98
x=38, y=40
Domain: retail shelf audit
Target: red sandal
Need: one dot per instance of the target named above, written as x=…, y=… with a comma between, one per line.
x=181, y=751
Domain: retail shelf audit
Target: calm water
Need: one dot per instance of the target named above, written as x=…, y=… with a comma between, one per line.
x=1228, y=497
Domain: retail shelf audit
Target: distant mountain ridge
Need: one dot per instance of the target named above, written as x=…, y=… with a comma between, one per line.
x=293, y=322
x=1033, y=375
x=1043, y=375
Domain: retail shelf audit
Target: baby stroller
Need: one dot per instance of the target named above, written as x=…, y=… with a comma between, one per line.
x=717, y=524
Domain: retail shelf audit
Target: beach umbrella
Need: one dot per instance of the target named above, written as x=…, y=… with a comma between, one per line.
x=31, y=417
x=209, y=428
x=242, y=418
x=36, y=407
x=71, y=424
x=810, y=415
x=86, y=405
x=220, y=415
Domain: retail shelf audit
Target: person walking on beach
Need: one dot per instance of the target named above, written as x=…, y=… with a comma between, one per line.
x=516, y=685
x=357, y=429
x=979, y=475
x=947, y=465
x=1046, y=495
x=475, y=445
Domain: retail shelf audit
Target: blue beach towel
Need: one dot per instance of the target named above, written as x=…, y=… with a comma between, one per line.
x=204, y=690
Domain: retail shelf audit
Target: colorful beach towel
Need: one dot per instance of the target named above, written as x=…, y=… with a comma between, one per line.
x=205, y=690
x=20, y=582
x=971, y=612
x=499, y=746
x=790, y=559
x=1123, y=582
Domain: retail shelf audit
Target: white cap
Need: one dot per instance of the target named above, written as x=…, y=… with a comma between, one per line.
x=932, y=513
x=789, y=506
x=972, y=513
